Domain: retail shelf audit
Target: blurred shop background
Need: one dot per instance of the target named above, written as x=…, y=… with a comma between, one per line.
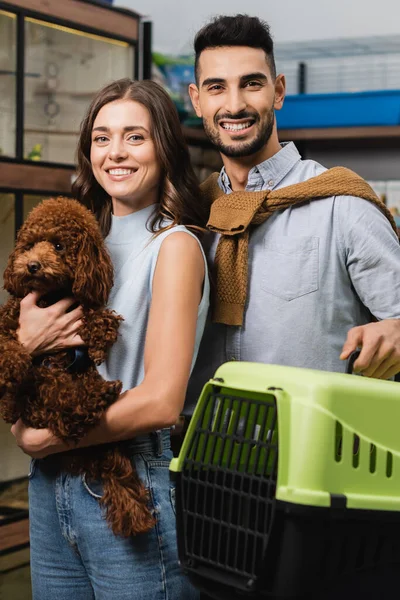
x=342, y=66
x=342, y=63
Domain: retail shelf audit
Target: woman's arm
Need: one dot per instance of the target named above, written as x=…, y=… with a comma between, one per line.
x=158, y=400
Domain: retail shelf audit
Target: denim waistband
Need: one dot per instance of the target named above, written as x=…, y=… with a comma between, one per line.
x=156, y=441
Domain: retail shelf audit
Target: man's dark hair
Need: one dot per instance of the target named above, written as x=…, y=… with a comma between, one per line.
x=238, y=30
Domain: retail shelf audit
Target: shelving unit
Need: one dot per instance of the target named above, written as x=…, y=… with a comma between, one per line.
x=196, y=135
x=373, y=152
x=51, y=131
x=65, y=93
x=14, y=523
x=342, y=133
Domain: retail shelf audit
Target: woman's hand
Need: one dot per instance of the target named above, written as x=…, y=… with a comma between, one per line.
x=38, y=443
x=48, y=329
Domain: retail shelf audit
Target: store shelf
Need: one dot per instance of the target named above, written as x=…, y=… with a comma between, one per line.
x=35, y=176
x=197, y=135
x=49, y=91
x=376, y=108
x=96, y=16
x=14, y=528
x=340, y=133
x=14, y=536
x=14, y=73
x=50, y=131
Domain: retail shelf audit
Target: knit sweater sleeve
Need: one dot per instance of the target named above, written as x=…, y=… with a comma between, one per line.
x=372, y=255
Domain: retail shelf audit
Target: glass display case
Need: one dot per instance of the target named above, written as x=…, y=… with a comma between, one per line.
x=8, y=70
x=53, y=58
x=67, y=67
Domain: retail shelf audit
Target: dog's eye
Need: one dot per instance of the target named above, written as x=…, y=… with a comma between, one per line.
x=58, y=246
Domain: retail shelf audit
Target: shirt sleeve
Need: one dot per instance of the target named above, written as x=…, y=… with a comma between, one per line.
x=372, y=255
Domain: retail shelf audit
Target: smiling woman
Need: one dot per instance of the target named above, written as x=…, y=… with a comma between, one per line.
x=133, y=125
x=134, y=173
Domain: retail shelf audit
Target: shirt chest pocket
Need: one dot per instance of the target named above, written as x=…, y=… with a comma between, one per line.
x=290, y=266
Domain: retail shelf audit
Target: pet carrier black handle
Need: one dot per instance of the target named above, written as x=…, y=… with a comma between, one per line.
x=351, y=360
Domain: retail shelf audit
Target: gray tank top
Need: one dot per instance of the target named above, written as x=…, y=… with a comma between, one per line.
x=134, y=252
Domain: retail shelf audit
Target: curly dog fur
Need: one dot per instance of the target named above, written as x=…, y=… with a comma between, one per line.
x=60, y=252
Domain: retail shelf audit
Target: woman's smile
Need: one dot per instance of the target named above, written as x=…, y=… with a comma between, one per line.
x=120, y=173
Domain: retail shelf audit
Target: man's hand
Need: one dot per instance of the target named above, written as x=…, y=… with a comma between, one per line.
x=38, y=443
x=380, y=348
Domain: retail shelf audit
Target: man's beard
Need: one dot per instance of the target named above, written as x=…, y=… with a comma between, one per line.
x=238, y=149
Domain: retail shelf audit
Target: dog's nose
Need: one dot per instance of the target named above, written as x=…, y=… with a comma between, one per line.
x=34, y=266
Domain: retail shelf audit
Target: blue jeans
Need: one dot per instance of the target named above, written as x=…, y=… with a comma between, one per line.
x=75, y=555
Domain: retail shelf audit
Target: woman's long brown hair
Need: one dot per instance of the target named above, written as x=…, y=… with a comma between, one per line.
x=180, y=200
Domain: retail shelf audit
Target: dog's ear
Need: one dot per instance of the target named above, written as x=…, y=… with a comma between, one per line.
x=94, y=273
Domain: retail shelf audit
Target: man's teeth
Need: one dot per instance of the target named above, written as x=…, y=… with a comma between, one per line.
x=236, y=126
x=120, y=171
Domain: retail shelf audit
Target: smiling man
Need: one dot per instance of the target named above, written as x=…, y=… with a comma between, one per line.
x=237, y=95
x=307, y=264
x=242, y=129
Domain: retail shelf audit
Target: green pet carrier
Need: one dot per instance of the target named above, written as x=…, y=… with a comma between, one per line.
x=288, y=484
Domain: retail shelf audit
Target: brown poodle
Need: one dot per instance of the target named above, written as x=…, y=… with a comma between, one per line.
x=60, y=252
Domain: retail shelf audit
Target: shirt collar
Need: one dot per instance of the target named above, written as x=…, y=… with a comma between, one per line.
x=268, y=174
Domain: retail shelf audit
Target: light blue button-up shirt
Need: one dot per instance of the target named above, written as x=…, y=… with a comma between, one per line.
x=315, y=271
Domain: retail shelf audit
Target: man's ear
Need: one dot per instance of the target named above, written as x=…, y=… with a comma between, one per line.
x=194, y=96
x=280, y=91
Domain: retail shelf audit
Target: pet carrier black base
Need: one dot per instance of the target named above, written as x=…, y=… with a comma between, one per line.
x=313, y=554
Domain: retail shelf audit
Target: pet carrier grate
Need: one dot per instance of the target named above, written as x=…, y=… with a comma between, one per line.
x=228, y=508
